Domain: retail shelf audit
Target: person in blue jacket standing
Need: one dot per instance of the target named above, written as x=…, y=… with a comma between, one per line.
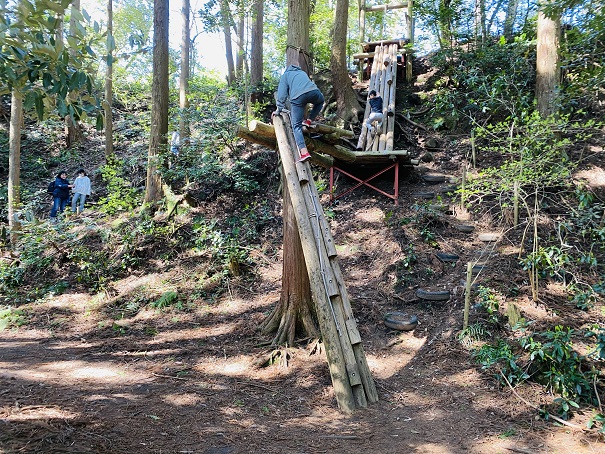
x=60, y=195
x=296, y=86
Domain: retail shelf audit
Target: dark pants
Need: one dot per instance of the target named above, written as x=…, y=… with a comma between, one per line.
x=297, y=112
x=59, y=205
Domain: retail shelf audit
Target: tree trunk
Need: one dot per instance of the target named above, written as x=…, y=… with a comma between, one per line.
x=14, y=163
x=547, y=63
x=226, y=21
x=509, y=20
x=256, y=51
x=107, y=105
x=73, y=130
x=184, y=77
x=159, y=95
x=240, y=41
x=294, y=307
x=347, y=106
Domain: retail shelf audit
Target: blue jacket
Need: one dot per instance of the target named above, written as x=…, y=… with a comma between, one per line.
x=376, y=104
x=61, y=188
x=293, y=83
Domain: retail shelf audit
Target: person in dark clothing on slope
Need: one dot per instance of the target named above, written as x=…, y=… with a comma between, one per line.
x=60, y=195
x=376, y=114
x=296, y=86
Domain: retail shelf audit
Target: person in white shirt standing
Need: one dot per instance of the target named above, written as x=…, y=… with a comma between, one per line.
x=81, y=190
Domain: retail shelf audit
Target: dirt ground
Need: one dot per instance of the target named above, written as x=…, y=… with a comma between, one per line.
x=87, y=376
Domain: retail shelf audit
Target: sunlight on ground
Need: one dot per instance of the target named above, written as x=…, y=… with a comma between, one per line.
x=238, y=366
x=385, y=366
x=182, y=400
x=370, y=215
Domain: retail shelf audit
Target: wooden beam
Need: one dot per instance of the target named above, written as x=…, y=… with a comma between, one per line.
x=386, y=7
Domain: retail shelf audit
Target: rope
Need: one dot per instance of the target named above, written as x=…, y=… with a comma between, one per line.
x=308, y=57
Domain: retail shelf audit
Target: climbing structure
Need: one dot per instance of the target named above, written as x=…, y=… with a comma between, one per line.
x=351, y=377
x=383, y=80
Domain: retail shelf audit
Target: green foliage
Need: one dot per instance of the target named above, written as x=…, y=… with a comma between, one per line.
x=11, y=317
x=473, y=333
x=598, y=333
x=558, y=366
x=45, y=71
x=168, y=299
x=501, y=355
x=486, y=298
x=224, y=247
x=121, y=196
x=532, y=153
x=491, y=82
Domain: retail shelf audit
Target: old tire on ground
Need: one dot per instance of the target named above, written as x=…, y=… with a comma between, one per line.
x=400, y=321
x=433, y=178
x=445, y=257
x=433, y=295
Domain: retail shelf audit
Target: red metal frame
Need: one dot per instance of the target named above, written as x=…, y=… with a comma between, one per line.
x=361, y=182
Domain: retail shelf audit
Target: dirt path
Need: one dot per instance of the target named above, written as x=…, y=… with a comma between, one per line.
x=85, y=375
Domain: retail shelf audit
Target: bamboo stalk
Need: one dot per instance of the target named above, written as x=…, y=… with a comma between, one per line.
x=467, y=293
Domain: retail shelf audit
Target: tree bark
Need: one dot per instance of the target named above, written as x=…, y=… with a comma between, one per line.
x=509, y=20
x=108, y=103
x=347, y=105
x=256, y=51
x=159, y=108
x=226, y=21
x=184, y=76
x=240, y=41
x=547, y=63
x=294, y=307
x=74, y=131
x=14, y=163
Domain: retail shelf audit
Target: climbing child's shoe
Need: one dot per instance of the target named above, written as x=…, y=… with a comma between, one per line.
x=306, y=122
x=304, y=157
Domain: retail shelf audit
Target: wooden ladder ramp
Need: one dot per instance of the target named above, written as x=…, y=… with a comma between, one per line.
x=353, y=384
x=383, y=79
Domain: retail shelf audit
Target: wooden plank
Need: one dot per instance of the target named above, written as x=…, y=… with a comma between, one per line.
x=366, y=376
x=336, y=363
x=385, y=7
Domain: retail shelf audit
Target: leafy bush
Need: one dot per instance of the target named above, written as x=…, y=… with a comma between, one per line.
x=492, y=81
x=121, y=196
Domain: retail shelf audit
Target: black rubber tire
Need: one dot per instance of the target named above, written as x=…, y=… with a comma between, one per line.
x=464, y=228
x=433, y=295
x=400, y=321
x=445, y=257
x=423, y=195
x=433, y=178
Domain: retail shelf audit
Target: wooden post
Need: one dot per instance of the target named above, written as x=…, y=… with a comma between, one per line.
x=473, y=149
x=467, y=293
x=516, y=204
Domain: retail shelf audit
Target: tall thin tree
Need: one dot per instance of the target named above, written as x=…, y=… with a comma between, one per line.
x=295, y=305
x=547, y=58
x=159, y=105
x=256, y=51
x=346, y=100
x=108, y=101
x=14, y=163
x=73, y=130
x=226, y=23
x=184, y=76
